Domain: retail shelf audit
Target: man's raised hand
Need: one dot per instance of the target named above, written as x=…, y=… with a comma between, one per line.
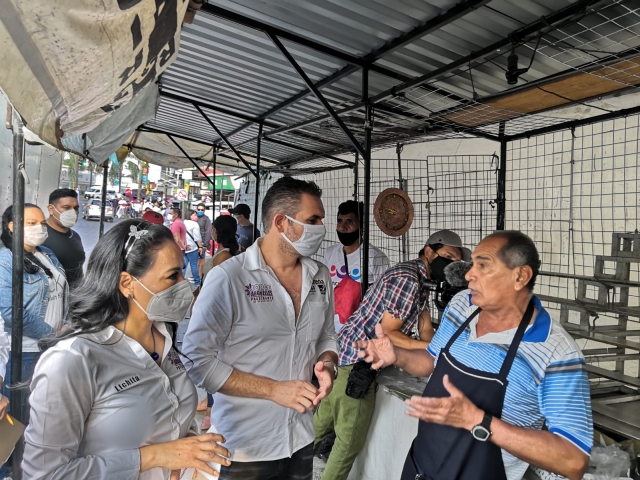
x=379, y=352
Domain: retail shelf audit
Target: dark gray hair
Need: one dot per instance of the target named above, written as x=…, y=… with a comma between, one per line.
x=284, y=197
x=518, y=251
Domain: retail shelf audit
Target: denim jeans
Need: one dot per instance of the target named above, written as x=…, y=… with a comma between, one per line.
x=191, y=258
x=298, y=467
x=29, y=360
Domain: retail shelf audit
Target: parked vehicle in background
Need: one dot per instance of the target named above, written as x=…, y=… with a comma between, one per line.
x=92, y=210
x=96, y=193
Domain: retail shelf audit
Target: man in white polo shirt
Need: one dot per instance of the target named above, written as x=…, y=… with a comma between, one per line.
x=262, y=325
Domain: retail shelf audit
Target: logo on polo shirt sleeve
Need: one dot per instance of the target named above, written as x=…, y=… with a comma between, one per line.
x=259, y=292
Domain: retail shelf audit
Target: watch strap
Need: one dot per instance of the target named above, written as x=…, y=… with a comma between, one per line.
x=486, y=421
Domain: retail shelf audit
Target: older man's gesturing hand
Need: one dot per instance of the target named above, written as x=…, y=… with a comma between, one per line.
x=456, y=410
x=379, y=352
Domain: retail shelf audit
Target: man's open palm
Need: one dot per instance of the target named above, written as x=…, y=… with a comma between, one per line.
x=379, y=352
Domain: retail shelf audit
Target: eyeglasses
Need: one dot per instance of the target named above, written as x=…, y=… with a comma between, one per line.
x=200, y=210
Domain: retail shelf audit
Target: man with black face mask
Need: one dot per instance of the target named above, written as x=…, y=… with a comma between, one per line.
x=396, y=301
x=343, y=261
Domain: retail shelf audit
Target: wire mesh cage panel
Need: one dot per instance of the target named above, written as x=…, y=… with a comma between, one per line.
x=575, y=193
x=455, y=192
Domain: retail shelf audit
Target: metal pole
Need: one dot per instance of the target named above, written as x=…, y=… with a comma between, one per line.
x=355, y=178
x=105, y=172
x=257, y=199
x=403, y=186
x=327, y=106
x=368, y=125
x=502, y=180
x=213, y=196
x=17, y=285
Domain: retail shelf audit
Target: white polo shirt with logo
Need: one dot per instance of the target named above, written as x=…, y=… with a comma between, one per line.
x=244, y=318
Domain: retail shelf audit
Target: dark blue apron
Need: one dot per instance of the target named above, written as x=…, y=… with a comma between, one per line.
x=442, y=452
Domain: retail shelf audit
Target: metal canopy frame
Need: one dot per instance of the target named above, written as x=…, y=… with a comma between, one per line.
x=425, y=107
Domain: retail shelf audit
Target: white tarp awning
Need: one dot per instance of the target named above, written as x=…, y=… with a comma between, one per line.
x=73, y=66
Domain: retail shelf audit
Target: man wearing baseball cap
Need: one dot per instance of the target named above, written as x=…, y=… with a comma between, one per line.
x=247, y=233
x=397, y=301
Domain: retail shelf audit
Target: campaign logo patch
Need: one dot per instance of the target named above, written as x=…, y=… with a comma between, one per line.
x=175, y=360
x=322, y=287
x=259, y=292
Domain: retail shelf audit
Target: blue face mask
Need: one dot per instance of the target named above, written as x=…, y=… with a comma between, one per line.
x=200, y=214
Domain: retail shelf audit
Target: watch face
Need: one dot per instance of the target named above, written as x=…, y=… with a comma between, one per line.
x=480, y=433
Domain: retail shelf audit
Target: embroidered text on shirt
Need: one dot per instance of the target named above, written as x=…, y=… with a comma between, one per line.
x=175, y=360
x=259, y=292
x=127, y=383
x=321, y=286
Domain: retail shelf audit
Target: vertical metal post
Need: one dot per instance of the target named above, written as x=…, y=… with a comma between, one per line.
x=355, y=178
x=213, y=196
x=402, y=185
x=502, y=180
x=120, y=177
x=17, y=284
x=368, y=126
x=255, y=209
x=84, y=155
x=105, y=172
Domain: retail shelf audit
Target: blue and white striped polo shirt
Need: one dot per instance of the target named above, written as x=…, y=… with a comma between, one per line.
x=547, y=382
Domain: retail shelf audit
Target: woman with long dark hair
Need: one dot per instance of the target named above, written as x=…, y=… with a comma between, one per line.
x=46, y=293
x=110, y=396
x=224, y=234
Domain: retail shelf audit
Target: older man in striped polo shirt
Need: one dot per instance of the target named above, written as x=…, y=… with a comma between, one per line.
x=500, y=368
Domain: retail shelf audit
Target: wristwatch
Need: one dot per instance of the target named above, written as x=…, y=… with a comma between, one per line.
x=335, y=368
x=482, y=432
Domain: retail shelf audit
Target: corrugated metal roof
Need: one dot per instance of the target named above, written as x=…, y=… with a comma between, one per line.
x=229, y=66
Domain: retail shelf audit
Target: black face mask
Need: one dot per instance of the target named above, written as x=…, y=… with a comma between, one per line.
x=438, y=265
x=348, y=238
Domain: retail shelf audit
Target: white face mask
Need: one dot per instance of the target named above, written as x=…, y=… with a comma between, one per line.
x=68, y=218
x=170, y=305
x=35, y=235
x=309, y=243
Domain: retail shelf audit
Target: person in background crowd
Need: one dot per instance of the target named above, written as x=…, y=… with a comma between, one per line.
x=343, y=261
x=247, y=232
x=62, y=240
x=193, y=246
x=262, y=325
x=114, y=204
x=205, y=233
x=167, y=214
x=45, y=296
x=224, y=234
x=153, y=217
x=156, y=207
x=500, y=368
x=122, y=207
x=178, y=228
x=110, y=396
x=5, y=346
x=137, y=208
x=397, y=301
